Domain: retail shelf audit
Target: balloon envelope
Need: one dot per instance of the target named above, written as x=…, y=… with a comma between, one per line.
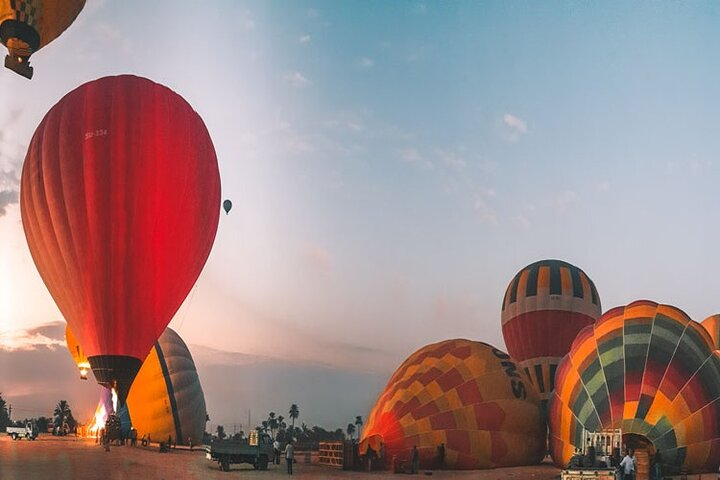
x=227, y=206
x=119, y=196
x=546, y=304
x=469, y=396
x=77, y=353
x=712, y=325
x=166, y=398
x=649, y=370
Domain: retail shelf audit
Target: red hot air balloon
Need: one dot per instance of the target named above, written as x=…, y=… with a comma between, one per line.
x=545, y=306
x=119, y=199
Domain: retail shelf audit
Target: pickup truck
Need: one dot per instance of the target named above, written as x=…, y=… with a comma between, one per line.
x=22, y=432
x=227, y=452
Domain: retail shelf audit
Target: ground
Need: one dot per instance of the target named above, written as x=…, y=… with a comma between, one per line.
x=70, y=458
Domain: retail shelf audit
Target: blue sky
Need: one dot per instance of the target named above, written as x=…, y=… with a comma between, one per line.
x=394, y=164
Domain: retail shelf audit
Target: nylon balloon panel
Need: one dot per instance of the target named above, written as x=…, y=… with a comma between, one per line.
x=465, y=394
x=712, y=326
x=662, y=377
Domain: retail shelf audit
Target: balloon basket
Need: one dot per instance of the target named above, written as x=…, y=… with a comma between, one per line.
x=19, y=66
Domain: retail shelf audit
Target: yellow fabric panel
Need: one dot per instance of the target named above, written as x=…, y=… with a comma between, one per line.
x=148, y=401
x=74, y=347
x=57, y=16
x=543, y=281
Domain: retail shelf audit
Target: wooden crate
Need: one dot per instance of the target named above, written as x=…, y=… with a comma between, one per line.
x=331, y=454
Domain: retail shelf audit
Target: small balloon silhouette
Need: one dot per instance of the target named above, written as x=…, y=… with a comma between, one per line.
x=227, y=205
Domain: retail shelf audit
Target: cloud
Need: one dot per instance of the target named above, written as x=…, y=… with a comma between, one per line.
x=451, y=159
x=305, y=39
x=365, y=63
x=49, y=335
x=564, y=201
x=413, y=157
x=521, y=222
x=319, y=259
x=513, y=127
x=297, y=80
x=481, y=205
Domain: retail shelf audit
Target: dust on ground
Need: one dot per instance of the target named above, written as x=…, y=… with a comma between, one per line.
x=71, y=458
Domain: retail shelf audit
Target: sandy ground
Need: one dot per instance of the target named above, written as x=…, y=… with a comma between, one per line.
x=69, y=458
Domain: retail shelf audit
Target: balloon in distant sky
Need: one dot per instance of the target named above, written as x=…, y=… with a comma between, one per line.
x=712, y=325
x=77, y=353
x=469, y=396
x=227, y=205
x=545, y=306
x=166, y=398
x=649, y=370
x=26, y=26
x=119, y=196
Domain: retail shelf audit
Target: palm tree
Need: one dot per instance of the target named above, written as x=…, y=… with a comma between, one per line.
x=63, y=415
x=359, y=423
x=350, y=430
x=294, y=413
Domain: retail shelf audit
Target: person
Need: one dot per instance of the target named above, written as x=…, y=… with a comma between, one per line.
x=169, y=444
x=276, y=452
x=370, y=458
x=415, y=460
x=656, y=472
x=381, y=458
x=143, y=441
x=627, y=467
x=190, y=443
x=289, y=456
x=441, y=456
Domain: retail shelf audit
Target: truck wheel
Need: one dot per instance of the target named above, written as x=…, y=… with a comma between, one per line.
x=224, y=465
x=14, y=436
x=263, y=462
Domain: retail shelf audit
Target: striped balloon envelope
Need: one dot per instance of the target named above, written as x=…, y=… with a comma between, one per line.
x=469, y=396
x=712, y=325
x=649, y=370
x=166, y=398
x=546, y=304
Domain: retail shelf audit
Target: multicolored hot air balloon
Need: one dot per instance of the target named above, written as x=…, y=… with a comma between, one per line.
x=166, y=398
x=119, y=196
x=649, y=370
x=77, y=353
x=26, y=26
x=468, y=395
x=545, y=306
x=712, y=325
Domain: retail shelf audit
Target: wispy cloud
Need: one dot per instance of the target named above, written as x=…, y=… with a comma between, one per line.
x=50, y=335
x=482, y=205
x=365, y=63
x=297, y=80
x=450, y=158
x=513, y=127
x=564, y=201
x=305, y=39
x=9, y=189
x=413, y=156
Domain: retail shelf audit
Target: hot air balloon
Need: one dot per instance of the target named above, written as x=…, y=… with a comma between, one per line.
x=545, y=306
x=712, y=325
x=76, y=351
x=468, y=395
x=166, y=398
x=649, y=370
x=120, y=188
x=26, y=26
x=227, y=206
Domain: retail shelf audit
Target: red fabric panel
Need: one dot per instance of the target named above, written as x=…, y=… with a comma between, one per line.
x=543, y=333
x=120, y=203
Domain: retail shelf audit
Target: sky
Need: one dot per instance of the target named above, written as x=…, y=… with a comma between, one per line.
x=392, y=165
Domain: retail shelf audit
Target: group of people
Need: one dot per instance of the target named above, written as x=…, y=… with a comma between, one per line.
x=289, y=454
x=627, y=469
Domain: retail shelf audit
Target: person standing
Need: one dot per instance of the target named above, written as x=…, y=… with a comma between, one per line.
x=276, y=452
x=415, y=460
x=289, y=456
x=441, y=456
x=627, y=466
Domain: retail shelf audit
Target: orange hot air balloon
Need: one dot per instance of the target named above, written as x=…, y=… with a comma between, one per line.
x=77, y=353
x=468, y=395
x=26, y=26
x=119, y=196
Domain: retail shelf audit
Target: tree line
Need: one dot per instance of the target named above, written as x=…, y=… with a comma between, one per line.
x=62, y=418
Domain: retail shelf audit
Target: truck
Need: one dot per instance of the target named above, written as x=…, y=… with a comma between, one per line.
x=28, y=431
x=257, y=451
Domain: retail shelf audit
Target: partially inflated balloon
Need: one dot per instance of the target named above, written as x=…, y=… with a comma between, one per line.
x=77, y=353
x=649, y=370
x=712, y=325
x=166, y=398
x=469, y=396
x=28, y=25
x=119, y=196
x=545, y=306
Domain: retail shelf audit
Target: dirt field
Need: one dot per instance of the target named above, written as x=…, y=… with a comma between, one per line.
x=68, y=458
